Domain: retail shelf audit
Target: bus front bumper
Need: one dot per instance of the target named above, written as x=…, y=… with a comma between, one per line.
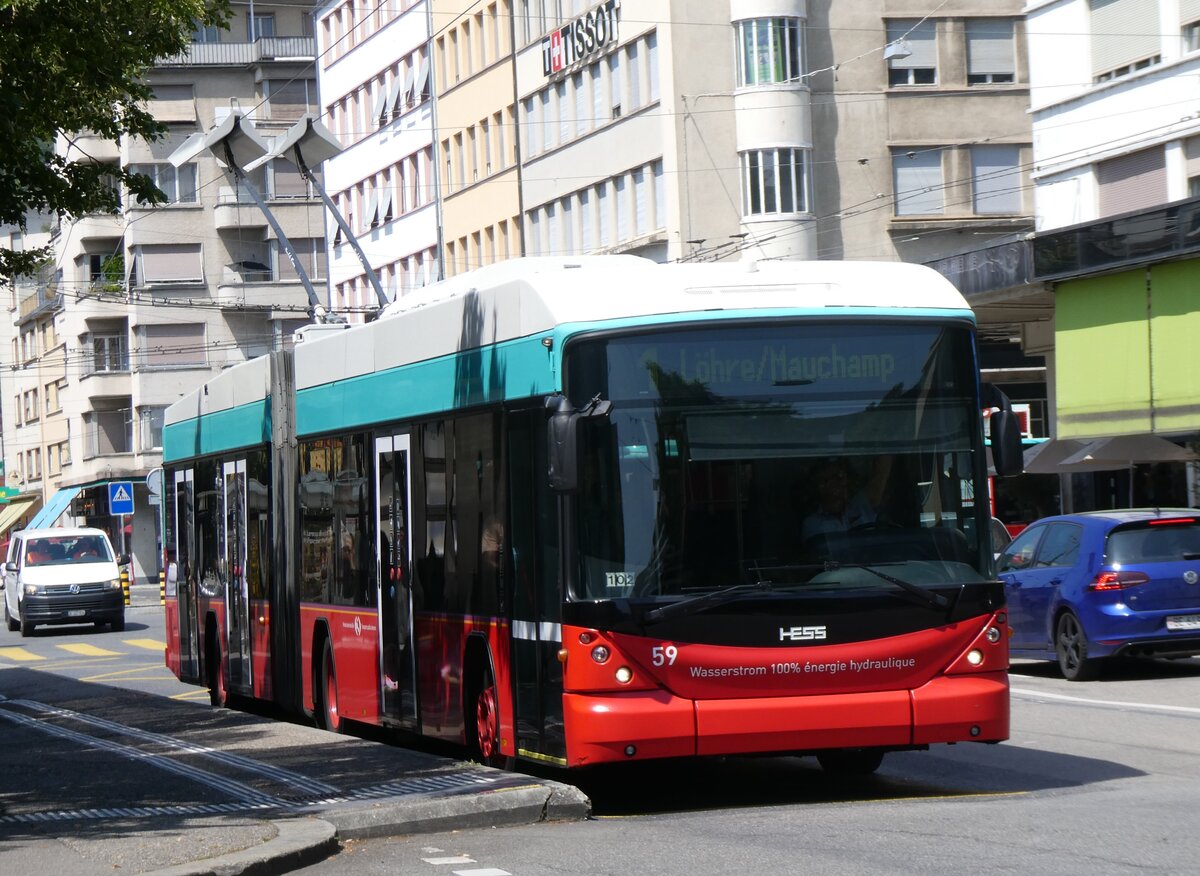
x=640, y=725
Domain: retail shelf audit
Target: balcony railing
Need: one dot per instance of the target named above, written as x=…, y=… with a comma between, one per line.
x=234, y=54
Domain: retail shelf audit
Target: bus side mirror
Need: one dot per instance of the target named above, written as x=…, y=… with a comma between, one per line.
x=563, y=445
x=563, y=439
x=1005, y=429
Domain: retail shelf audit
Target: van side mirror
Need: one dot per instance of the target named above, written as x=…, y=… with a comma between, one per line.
x=10, y=566
x=123, y=560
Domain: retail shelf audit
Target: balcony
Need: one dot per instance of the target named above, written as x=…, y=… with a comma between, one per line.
x=241, y=54
x=44, y=300
x=287, y=295
x=98, y=226
x=232, y=215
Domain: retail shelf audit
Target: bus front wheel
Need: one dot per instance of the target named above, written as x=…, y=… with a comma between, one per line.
x=487, y=724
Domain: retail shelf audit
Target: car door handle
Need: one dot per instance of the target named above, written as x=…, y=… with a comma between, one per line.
x=1055, y=581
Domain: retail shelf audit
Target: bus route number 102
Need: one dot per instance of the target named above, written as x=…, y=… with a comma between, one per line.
x=663, y=655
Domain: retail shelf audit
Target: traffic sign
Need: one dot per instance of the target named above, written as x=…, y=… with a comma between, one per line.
x=7, y=493
x=120, y=497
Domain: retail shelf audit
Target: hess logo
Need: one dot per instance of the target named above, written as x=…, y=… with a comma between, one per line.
x=801, y=634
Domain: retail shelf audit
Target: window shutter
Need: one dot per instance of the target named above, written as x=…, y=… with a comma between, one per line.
x=287, y=181
x=996, y=179
x=1132, y=182
x=171, y=263
x=1123, y=31
x=1191, y=151
x=990, y=47
x=918, y=182
x=922, y=42
x=174, y=344
x=1189, y=11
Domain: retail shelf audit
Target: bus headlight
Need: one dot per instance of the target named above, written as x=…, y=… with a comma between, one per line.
x=974, y=656
x=993, y=635
x=600, y=654
x=624, y=675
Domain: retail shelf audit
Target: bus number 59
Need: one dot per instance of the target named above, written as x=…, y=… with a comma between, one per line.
x=663, y=655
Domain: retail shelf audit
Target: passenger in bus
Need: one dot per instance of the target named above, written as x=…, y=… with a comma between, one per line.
x=837, y=509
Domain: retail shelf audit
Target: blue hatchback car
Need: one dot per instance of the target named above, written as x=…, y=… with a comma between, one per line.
x=1082, y=587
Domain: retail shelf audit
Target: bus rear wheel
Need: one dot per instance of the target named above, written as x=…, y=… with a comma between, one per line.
x=329, y=717
x=851, y=761
x=218, y=694
x=487, y=724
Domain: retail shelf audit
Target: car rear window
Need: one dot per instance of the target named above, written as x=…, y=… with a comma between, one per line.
x=1153, y=543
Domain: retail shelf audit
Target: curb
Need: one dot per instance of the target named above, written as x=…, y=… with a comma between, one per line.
x=297, y=843
x=503, y=807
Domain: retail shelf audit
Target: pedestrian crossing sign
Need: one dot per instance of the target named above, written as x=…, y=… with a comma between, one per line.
x=120, y=497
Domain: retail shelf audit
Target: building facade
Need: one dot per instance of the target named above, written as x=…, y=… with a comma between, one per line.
x=141, y=307
x=375, y=80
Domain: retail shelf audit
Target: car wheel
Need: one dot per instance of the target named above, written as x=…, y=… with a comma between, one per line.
x=13, y=626
x=851, y=762
x=1071, y=646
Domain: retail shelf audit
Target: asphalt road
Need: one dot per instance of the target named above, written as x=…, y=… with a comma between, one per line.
x=1098, y=778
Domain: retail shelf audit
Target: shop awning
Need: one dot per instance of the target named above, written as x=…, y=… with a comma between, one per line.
x=11, y=513
x=53, y=509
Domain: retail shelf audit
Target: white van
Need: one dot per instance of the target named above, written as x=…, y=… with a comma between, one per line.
x=62, y=576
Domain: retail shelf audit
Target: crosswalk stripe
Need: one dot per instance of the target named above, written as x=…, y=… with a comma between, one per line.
x=148, y=644
x=86, y=650
x=21, y=655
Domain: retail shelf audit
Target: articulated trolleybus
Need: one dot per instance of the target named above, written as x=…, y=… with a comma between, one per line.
x=600, y=510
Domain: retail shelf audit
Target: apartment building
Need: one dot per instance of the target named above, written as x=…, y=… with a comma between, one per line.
x=375, y=79
x=1117, y=185
x=141, y=307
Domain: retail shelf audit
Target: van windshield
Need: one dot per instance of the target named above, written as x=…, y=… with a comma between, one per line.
x=61, y=550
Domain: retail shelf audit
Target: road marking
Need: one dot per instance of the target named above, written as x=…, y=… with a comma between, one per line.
x=201, y=694
x=456, y=859
x=1144, y=707
x=85, y=650
x=21, y=655
x=148, y=644
x=482, y=871
x=159, y=673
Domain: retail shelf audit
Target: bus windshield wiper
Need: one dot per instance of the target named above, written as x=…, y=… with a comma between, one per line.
x=934, y=600
x=704, y=600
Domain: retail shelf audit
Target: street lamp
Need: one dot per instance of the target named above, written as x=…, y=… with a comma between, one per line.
x=307, y=144
x=235, y=144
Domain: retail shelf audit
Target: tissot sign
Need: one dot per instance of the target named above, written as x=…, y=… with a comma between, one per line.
x=577, y=39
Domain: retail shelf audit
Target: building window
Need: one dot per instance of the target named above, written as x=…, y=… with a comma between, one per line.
x=996, y=179
x=990, y=56
x=917, y=181
x=770, y=51
x=1191, y=36
x=1136, y=181
x=110, y=353
x=915, y=62
x=177, y=183
x=151, y=431
x=1125, y=37
x=260, y=25
x=170, y=263
x=109, y=430
x=171, y=345
x=774, y=181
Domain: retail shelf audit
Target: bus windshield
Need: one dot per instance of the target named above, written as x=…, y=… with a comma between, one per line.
x=806, y=455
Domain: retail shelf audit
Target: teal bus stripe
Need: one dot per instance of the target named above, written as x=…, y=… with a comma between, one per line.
x=518, y=369
x=243, y=426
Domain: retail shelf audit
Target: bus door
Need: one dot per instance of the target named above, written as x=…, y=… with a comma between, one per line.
x=185, y=575
x=394, y=576
x=237, y=601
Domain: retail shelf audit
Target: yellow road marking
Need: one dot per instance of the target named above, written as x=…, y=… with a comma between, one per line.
x=86, y=650
x=19, y=654
x=132, y=673
x=202, y=693
x=148, y=644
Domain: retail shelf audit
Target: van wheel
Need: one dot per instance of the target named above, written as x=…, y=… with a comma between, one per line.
x=118, y=625
x=26, y=626
x=13, y=626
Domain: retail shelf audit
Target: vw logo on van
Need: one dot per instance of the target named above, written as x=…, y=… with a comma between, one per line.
x=74, y=589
